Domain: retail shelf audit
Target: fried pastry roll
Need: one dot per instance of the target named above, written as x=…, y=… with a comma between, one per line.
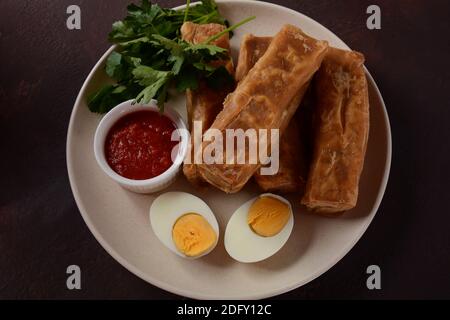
x=291, y=176
x=264, y=100
x=204, y=103
x=342, y=130
x=251, y=50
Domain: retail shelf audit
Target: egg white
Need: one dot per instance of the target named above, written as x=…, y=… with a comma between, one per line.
x=244, y=245
x=168, y=207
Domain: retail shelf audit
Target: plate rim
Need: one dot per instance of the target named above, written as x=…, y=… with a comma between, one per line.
x=185, y=292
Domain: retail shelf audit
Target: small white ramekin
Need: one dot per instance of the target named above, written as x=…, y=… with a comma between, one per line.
x=140, y=186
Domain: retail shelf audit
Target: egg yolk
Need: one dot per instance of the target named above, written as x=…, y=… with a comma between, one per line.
x=267, y=216
x=193, y=235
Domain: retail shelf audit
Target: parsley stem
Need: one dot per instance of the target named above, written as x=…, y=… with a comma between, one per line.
x=188, y=2
x=233, y=27
x=204, y=18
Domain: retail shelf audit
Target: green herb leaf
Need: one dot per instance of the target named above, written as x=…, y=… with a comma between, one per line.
x=151, y=57
x=95, y=101
x=203, y=67
x=109, y=96
x=219, y=78
x=206, y=49
x=162, y=96
x=152, y=80
x=187, y=79
x=113, y=64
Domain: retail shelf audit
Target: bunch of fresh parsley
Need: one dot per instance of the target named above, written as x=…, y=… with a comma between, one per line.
x=151, y=57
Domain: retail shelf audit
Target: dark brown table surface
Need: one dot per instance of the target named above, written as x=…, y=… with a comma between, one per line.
x=43, y=65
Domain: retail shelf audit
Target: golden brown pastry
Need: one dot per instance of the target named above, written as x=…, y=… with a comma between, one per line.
x=264, y=99
x=291, y=176
x=204, y=103
x=251, y=50
x=342, y=130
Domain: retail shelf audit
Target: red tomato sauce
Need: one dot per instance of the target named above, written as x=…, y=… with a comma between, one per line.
x=139, y=145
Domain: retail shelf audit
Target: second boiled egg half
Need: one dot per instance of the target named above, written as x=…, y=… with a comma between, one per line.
x=259, y=228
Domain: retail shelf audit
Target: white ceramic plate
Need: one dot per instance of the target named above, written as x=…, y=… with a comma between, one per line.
x=119, y=219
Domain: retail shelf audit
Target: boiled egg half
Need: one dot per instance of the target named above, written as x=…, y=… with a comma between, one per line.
x=184, y=223
x=259, y=228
